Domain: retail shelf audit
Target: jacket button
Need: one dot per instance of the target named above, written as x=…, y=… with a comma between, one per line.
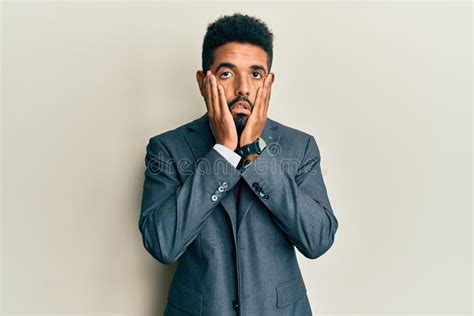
x=235, y=305
x=255, y=185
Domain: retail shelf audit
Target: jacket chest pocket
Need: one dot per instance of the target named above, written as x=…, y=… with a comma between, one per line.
x=290, y=292
x=185, y=299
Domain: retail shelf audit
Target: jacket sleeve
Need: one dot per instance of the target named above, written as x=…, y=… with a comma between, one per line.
x=172, y=213
x=298, y=201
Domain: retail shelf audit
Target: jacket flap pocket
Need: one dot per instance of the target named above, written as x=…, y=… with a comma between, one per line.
x=185, y=299
x=290, y=292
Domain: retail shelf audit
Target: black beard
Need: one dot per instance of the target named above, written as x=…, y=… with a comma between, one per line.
x=240, y=122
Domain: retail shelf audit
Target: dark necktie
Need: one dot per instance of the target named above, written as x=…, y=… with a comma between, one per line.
x=236, y=188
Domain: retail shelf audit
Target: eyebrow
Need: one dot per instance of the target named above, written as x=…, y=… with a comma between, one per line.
x=232, y=66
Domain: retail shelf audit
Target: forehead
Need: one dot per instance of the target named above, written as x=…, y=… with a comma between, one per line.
x=242, y=55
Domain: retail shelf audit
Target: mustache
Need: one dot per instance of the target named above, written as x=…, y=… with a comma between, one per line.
x=241, y=98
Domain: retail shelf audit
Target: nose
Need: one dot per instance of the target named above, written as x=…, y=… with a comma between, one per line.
x=242, y=88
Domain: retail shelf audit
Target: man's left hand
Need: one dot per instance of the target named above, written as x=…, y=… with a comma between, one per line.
x=256, y=121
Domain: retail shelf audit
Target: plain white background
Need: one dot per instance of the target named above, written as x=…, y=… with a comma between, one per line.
x=385, y=87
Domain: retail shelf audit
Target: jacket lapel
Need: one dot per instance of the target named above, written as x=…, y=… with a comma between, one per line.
x=201, y=139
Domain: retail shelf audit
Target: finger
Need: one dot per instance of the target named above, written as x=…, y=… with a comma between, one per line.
x=222, y=100
x=210, y=109
x=204, y=89
x=258, y=100
x=215, y=96
x=265, y=95
x=268, y=91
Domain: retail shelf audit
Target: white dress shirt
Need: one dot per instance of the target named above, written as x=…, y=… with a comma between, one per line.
x=227, y=153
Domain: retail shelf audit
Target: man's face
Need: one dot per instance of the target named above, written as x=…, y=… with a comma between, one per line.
x=241, y=70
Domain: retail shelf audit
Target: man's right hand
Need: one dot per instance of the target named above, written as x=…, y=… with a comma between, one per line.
x=220, y=118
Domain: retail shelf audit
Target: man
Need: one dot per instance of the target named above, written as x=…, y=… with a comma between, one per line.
x=231, y=194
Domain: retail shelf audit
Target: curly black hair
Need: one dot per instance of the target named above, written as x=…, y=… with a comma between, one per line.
x=236, y=28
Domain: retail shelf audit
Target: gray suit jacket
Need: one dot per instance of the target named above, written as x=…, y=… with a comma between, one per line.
x=233, y=260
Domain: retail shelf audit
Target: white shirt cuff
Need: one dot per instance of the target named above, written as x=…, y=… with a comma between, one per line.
x=232, y=157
